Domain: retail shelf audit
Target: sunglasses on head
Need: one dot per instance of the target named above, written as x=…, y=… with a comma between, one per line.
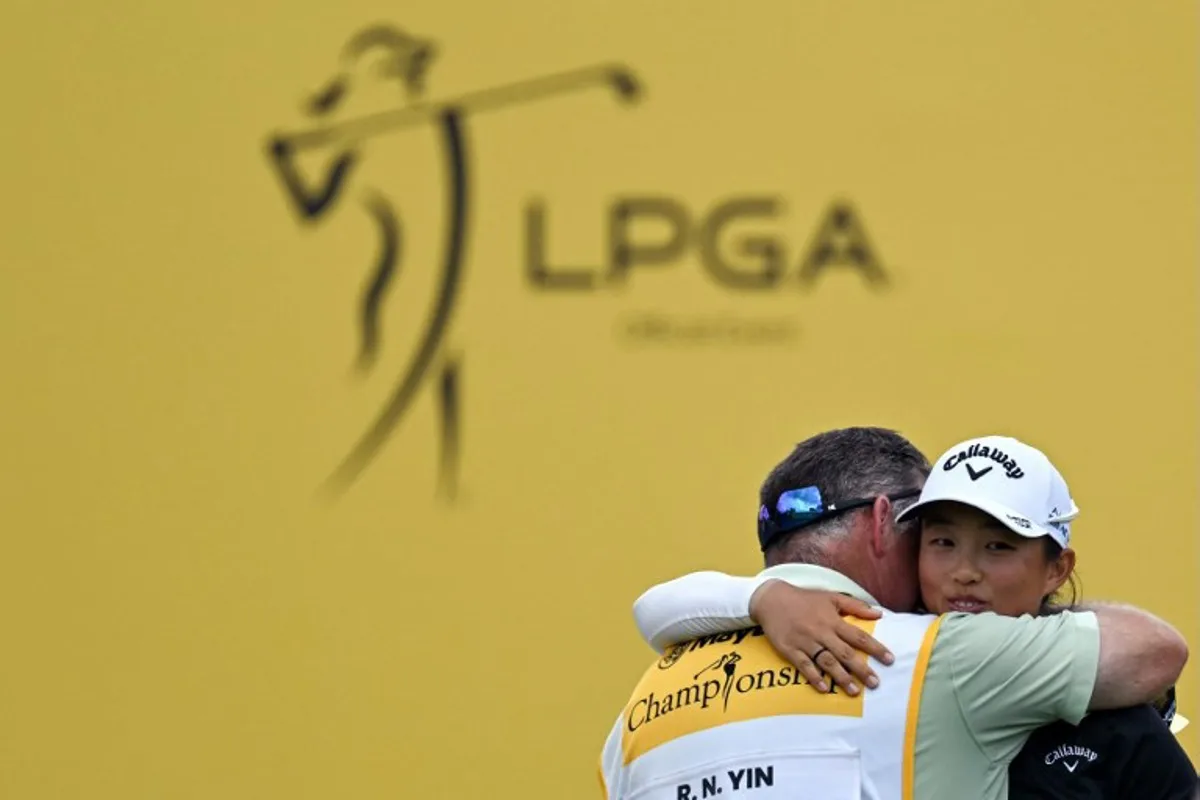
x=797, y=508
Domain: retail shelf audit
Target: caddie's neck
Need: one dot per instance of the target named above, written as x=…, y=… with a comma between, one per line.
x=880, y=558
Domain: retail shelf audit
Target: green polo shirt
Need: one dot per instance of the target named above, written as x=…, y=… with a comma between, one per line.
x=990, y=681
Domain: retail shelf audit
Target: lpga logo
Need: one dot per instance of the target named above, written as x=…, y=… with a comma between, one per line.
x=406, y=60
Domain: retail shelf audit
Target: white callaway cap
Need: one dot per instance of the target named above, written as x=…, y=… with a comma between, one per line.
x=1007, y=479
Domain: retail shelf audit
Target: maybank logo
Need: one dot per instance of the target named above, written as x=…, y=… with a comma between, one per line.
x=731, y=677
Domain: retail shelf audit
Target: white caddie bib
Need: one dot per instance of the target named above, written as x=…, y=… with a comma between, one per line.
x=724, y=716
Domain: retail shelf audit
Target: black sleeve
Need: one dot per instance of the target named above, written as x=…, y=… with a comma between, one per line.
x=1157, y=768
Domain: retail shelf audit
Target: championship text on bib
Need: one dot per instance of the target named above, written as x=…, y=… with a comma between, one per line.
x=730, y=677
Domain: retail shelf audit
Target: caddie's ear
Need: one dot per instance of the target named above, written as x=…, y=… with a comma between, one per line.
x=882, y=513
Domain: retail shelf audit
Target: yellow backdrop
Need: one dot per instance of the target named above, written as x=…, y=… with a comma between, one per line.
x=688, y=235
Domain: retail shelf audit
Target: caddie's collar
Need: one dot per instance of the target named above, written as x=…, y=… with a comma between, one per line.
x=810, y=576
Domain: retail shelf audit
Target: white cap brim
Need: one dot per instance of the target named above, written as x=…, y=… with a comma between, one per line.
x=1018, y=524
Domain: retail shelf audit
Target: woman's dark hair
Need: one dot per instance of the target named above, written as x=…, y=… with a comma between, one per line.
x=1070, y=592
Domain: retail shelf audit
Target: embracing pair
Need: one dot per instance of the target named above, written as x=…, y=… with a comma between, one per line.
x=913, y=636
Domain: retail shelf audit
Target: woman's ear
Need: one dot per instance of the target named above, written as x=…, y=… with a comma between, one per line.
x=1059, y=570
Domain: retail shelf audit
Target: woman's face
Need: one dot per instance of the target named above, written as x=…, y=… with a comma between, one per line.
x=971, y=562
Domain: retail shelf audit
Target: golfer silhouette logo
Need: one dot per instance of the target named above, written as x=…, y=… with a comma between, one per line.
x=406, y=59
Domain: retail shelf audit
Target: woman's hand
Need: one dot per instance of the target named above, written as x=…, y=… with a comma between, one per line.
x=807, y=626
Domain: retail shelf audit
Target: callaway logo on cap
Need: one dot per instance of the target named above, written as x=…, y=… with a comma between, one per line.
x=1006, y=479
